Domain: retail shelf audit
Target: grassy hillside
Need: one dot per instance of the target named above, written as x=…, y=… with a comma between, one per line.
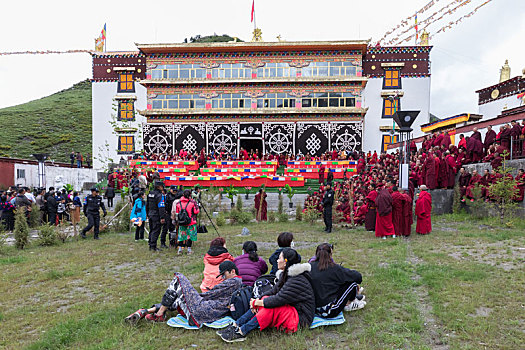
x=55, y=124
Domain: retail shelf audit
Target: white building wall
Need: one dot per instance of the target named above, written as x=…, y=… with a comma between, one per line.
x=416, y=97
x=104, y=111
x=55, y=176
x=493, y=109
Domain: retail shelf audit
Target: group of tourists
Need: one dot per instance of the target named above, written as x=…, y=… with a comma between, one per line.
x=79, y=159
x=55, y=206
x=287, y=298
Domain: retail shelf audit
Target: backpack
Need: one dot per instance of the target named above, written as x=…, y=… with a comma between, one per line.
x=240, y=301
x=182, y=217
x=262, y=285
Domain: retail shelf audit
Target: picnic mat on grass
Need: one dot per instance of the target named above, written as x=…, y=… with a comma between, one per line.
x=181, y=322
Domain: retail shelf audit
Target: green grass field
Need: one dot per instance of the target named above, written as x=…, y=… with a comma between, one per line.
x=55, y=124
x=461, y=287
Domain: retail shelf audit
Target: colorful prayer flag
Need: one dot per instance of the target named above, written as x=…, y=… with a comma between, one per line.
x=253, y=9
x=101, y=40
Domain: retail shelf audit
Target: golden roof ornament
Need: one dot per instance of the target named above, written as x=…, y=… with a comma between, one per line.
x=424, y=38
x=504, y=72
x=279, y=39
x=257, y=35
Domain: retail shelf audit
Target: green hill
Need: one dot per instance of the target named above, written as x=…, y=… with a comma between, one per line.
x=55, y=124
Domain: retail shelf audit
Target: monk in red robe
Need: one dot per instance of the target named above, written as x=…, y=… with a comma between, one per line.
x=370, y=217
x=398, y=203
x=475, y=180
x=360, y=213
x=490, y=138
x=407, y=213
x=423, y=211
x=384, y=225
x=261, y=207
x=429, y=168
x=321, y=174
x=520, y=183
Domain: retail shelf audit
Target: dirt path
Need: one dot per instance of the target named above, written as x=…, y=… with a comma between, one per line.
x=431, y=324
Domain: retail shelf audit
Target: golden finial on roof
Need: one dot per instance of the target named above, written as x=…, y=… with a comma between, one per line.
x=279, y=39
x=424, y=38
x=257, y=35
x=504, y=72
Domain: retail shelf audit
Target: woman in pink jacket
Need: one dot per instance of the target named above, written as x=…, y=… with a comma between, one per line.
x=213, y=258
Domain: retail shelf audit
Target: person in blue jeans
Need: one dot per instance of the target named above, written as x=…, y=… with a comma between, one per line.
x=138, y=216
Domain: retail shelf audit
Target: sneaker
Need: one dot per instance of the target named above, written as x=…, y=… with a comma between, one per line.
x=232, y=326
x=355, y=305
x=155, y=318
x=136, y=316
x=234, y=336
x=393, y=236
x=360, y=297
x=384, y=237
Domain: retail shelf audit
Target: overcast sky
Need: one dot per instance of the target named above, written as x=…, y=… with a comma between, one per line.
x=464, y=59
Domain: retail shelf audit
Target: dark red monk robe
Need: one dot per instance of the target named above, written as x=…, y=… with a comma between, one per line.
x=398, y=203
x=505, y=138
x=446, y=141
x=384, y=225
x=423, y=211
x=451, y=170
x=520, y=182
x=490, y=138
x=407, y=214
x=475, y=180
x=429, y=168
x=360, y=214
x=321, y=174
x=370, y=217
x=261, y=208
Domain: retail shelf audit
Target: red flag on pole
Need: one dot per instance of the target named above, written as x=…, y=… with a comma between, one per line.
x=253, y=9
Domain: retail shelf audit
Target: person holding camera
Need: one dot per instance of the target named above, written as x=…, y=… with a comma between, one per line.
x=186, y=211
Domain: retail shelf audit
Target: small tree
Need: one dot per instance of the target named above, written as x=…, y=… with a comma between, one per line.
x=47, y=235
x=280, y=205
x=231, y=192
x=311, y=214
x=238, y=205
x=21, y=229
x=503, y=191
x=299, y=213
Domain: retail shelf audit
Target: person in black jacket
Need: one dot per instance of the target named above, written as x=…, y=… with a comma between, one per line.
x=284, y=240
x=156, y=212
x=335, y=287
x=170, y=199
x=110, y=194
x=92, y=205
x=328, y=201
x=51, y=207
x=289, y=305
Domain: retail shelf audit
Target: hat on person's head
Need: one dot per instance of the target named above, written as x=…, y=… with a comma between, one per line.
x=227, y=266
x=159, y=183
x=173, y=187
x=423, y=188
x=94, y=189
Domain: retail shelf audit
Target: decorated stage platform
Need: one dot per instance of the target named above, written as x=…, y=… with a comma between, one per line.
x=236, y=181
x=313, y=173
x=191, y=165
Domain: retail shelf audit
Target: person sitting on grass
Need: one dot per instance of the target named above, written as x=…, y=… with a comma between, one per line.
x=335, y=287
x=197, y=307
x=284, y=240
x=250, y=265
x=213, y=258
x=290, y=304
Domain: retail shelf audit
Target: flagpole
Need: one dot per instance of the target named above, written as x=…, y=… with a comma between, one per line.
x=105, y=39
x=254, y=19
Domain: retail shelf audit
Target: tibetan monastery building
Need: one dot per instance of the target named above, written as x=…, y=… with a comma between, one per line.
x=278, y=97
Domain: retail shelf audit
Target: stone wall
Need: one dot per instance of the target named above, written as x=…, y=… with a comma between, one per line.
x=480, y=167
x=442, y=201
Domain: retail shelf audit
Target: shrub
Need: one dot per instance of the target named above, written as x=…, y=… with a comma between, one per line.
x=221, y=220
x=47, y=235
x=3, y=239
x=280, y=205
x=311, y=214
x=21, y=229
x=34, y=216
x=122, y=222
x=240, y=217
x=477, y=208
x=456, y=204
x=283, y=217
x=238, y=205
x=271, y=216
x=299, y=212
x=61, y=232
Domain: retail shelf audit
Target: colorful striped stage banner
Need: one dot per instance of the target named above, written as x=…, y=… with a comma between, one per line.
x=327, y=163
x=158, y=164
x=236, y=181
x=242, y=163
x=313, y=173
x=235, y=171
